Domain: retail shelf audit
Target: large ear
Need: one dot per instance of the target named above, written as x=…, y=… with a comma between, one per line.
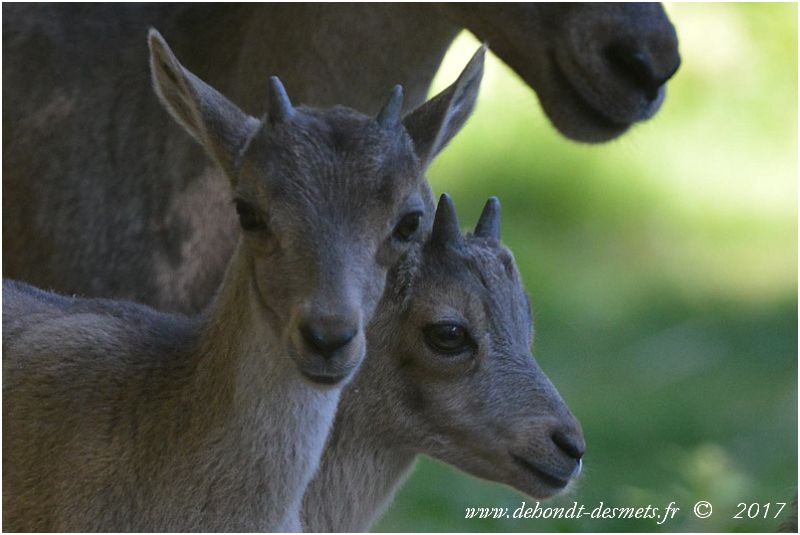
x=215, y=122
x=433, y=124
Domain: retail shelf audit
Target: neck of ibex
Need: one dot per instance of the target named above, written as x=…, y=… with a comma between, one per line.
x=262, y=406
x=361, y=469
x=238, y=352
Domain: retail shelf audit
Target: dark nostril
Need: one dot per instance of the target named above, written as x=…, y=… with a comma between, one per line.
x=636, y=65
x=326, y=341
x=569, y=444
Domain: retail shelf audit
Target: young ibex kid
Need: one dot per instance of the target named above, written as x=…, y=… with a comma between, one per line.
x=449, y=374
x=119, y=418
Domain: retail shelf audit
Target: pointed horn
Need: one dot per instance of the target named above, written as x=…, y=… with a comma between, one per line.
x=489, y=223
x=280, y=107
x=389, y=116
x=445, y=224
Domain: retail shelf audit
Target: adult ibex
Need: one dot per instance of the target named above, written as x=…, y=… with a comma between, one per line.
x=100, y=193
x=120, y=418
x=449, y=373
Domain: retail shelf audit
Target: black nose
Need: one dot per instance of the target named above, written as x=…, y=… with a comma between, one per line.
x=326, y=339
x=639, y=67
x=569, y=443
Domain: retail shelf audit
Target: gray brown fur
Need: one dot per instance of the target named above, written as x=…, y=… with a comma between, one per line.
x=104, y=197
x=120, y=418
x=470, y=410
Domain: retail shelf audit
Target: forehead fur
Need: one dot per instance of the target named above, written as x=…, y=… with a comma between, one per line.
x=480, y=262
x=322, y=152
x=481, y=268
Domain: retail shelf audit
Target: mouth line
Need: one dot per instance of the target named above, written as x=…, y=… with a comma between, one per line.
x=324, y=379
x=548, y=478
x=586, y=108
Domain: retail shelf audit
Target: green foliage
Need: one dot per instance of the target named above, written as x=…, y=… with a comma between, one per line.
x=663, y=273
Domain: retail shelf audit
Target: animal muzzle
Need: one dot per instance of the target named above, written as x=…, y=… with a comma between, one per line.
x=552, y=455
x=620, y=64
x=328, y=347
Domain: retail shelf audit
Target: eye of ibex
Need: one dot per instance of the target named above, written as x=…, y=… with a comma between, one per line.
x=448, y=338
x=407, y=226
x=249, y=217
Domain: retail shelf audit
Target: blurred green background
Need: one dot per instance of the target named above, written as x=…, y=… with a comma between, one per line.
x=662, y=268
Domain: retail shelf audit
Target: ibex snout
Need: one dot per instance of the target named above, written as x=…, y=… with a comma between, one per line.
x=327, y=335
x=327, y=346
x=610, y=68
x=570, y=444
x=570, y=441
x=645, y=67
x=549, y=449
x=552, y=455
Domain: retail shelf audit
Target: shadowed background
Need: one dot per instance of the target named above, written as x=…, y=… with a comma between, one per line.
x=662, y=269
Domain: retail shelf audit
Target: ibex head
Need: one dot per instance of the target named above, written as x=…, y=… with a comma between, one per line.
x=327, y=200
x=463, y=383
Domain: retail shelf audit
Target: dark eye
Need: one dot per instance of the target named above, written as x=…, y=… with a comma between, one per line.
x=407, y=226
x=447, y=338
x=249, y=216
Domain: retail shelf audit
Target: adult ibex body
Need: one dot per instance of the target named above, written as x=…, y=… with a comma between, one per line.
x=120, y=418
x=448, y=373
x=99, y=189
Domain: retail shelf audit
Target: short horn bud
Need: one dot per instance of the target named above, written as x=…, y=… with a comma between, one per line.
x=389, y=116
x=280, y=107
x=446, y=231
x=489, y=223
